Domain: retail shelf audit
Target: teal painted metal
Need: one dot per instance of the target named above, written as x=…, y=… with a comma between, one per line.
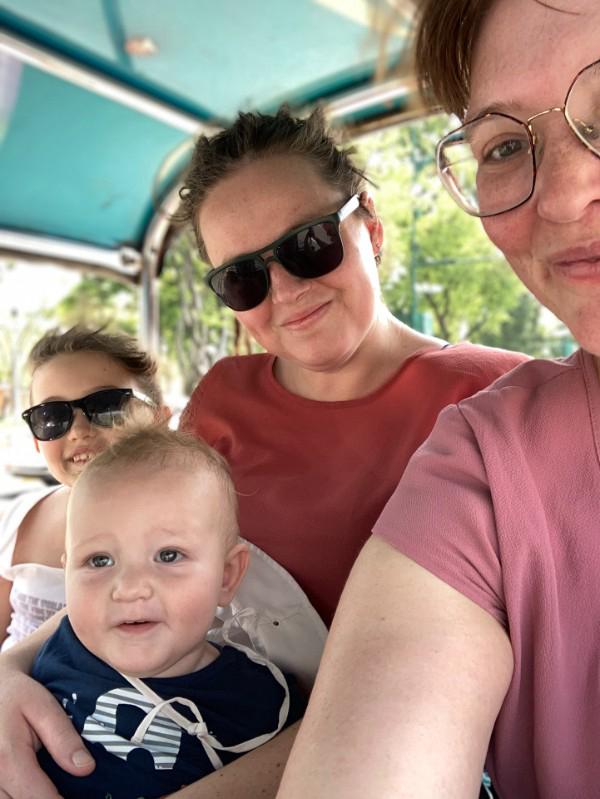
x=76, y=165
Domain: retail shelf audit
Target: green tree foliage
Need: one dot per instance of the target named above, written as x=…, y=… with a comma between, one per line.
x=100, y=302
x=195, y=327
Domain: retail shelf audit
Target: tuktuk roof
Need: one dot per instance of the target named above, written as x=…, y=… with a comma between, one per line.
x=101, y=100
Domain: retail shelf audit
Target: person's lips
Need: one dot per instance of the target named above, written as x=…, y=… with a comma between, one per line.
x=136, y=627
x=306, y=316
x=578, y=263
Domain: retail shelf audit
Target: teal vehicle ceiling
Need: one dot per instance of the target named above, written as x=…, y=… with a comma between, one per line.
x=101, y=100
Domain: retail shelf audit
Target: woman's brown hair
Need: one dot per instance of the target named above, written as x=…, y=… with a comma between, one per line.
x=253, y=136
x=446, y=34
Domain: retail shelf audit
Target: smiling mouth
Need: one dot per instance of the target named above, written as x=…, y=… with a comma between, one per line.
x=306, y=317
x=588, y=267
x=141, y=623
x=83, y=457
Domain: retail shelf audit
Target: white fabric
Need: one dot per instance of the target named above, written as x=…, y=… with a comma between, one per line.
x=38, y=591
x=278, y=621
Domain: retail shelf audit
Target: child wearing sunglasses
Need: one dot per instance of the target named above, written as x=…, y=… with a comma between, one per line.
x=85, y=386
x=156, y=703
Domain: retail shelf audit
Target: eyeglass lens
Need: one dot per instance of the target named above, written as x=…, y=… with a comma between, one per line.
x=52, y=420
x=488, y=165
x=311, y=252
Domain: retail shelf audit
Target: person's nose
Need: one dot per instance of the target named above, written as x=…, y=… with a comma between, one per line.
x=568, y=178
x=131, y=583
x=286, y=288
x=81, y=427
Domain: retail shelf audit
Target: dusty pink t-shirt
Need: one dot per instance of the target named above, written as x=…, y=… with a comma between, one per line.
x=502, y=502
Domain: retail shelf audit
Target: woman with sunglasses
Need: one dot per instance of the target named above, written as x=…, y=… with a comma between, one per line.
x=319, y=428
x=85, y=386
x=472, y=613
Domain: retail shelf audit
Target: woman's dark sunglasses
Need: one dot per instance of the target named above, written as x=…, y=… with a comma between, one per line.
x=106, y=408
x=309, y=251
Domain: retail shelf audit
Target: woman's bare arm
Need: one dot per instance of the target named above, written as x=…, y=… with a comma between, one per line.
x=29, y=714
x=254, y=776
x=413, y=677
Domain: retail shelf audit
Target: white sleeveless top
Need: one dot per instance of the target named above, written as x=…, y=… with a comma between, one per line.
x=38, y=591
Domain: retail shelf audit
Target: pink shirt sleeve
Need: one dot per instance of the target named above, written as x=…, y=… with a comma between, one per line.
x=441, y=515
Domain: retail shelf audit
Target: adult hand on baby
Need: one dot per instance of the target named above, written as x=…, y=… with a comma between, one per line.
x=30, y=717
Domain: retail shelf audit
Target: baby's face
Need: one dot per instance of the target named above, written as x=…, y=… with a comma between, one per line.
x=146, y=567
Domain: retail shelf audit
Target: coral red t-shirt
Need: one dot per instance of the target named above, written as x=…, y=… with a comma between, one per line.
x=312, y=477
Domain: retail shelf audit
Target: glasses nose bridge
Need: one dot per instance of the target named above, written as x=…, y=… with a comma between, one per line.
x=560, y=108
x=81, y=424
x=81, y=405
x=273, y=259
x=270, y=257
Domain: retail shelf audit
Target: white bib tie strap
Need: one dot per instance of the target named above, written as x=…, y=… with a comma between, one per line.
x=198, y=727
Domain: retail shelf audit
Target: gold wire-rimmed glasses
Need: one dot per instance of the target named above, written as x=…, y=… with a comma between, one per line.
x=489, y=163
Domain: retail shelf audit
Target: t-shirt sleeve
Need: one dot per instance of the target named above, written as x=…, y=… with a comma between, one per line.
x=441, y=514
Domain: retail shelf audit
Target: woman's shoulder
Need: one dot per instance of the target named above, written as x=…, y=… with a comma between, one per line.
x=237, y=368
x=228, y=377
x=466, y=355
x=529, y=401
x=38, y=520
x=476, y=364
x=20, y=510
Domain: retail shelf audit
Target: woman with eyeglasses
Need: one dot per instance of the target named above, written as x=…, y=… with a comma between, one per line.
x=468, y=629
x=319, y=428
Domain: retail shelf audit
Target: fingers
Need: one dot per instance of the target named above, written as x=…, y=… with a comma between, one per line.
x=30, y=716
x=27, y=782
x=55, y=732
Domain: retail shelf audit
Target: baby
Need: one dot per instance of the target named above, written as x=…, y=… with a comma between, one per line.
x=151, y=551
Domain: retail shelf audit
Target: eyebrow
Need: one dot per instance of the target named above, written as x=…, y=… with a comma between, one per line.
x=510, y=108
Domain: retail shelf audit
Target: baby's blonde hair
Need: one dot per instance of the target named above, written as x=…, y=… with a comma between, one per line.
x=155, y=448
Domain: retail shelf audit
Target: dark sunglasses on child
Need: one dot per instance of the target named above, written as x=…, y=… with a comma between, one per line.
x=309, y=251
x=105, y=408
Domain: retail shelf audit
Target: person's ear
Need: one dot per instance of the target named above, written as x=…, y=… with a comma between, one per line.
x=373, y=222
x=236, y=563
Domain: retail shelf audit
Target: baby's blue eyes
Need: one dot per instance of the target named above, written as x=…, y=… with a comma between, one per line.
x=100, y=561
x=169, y=556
